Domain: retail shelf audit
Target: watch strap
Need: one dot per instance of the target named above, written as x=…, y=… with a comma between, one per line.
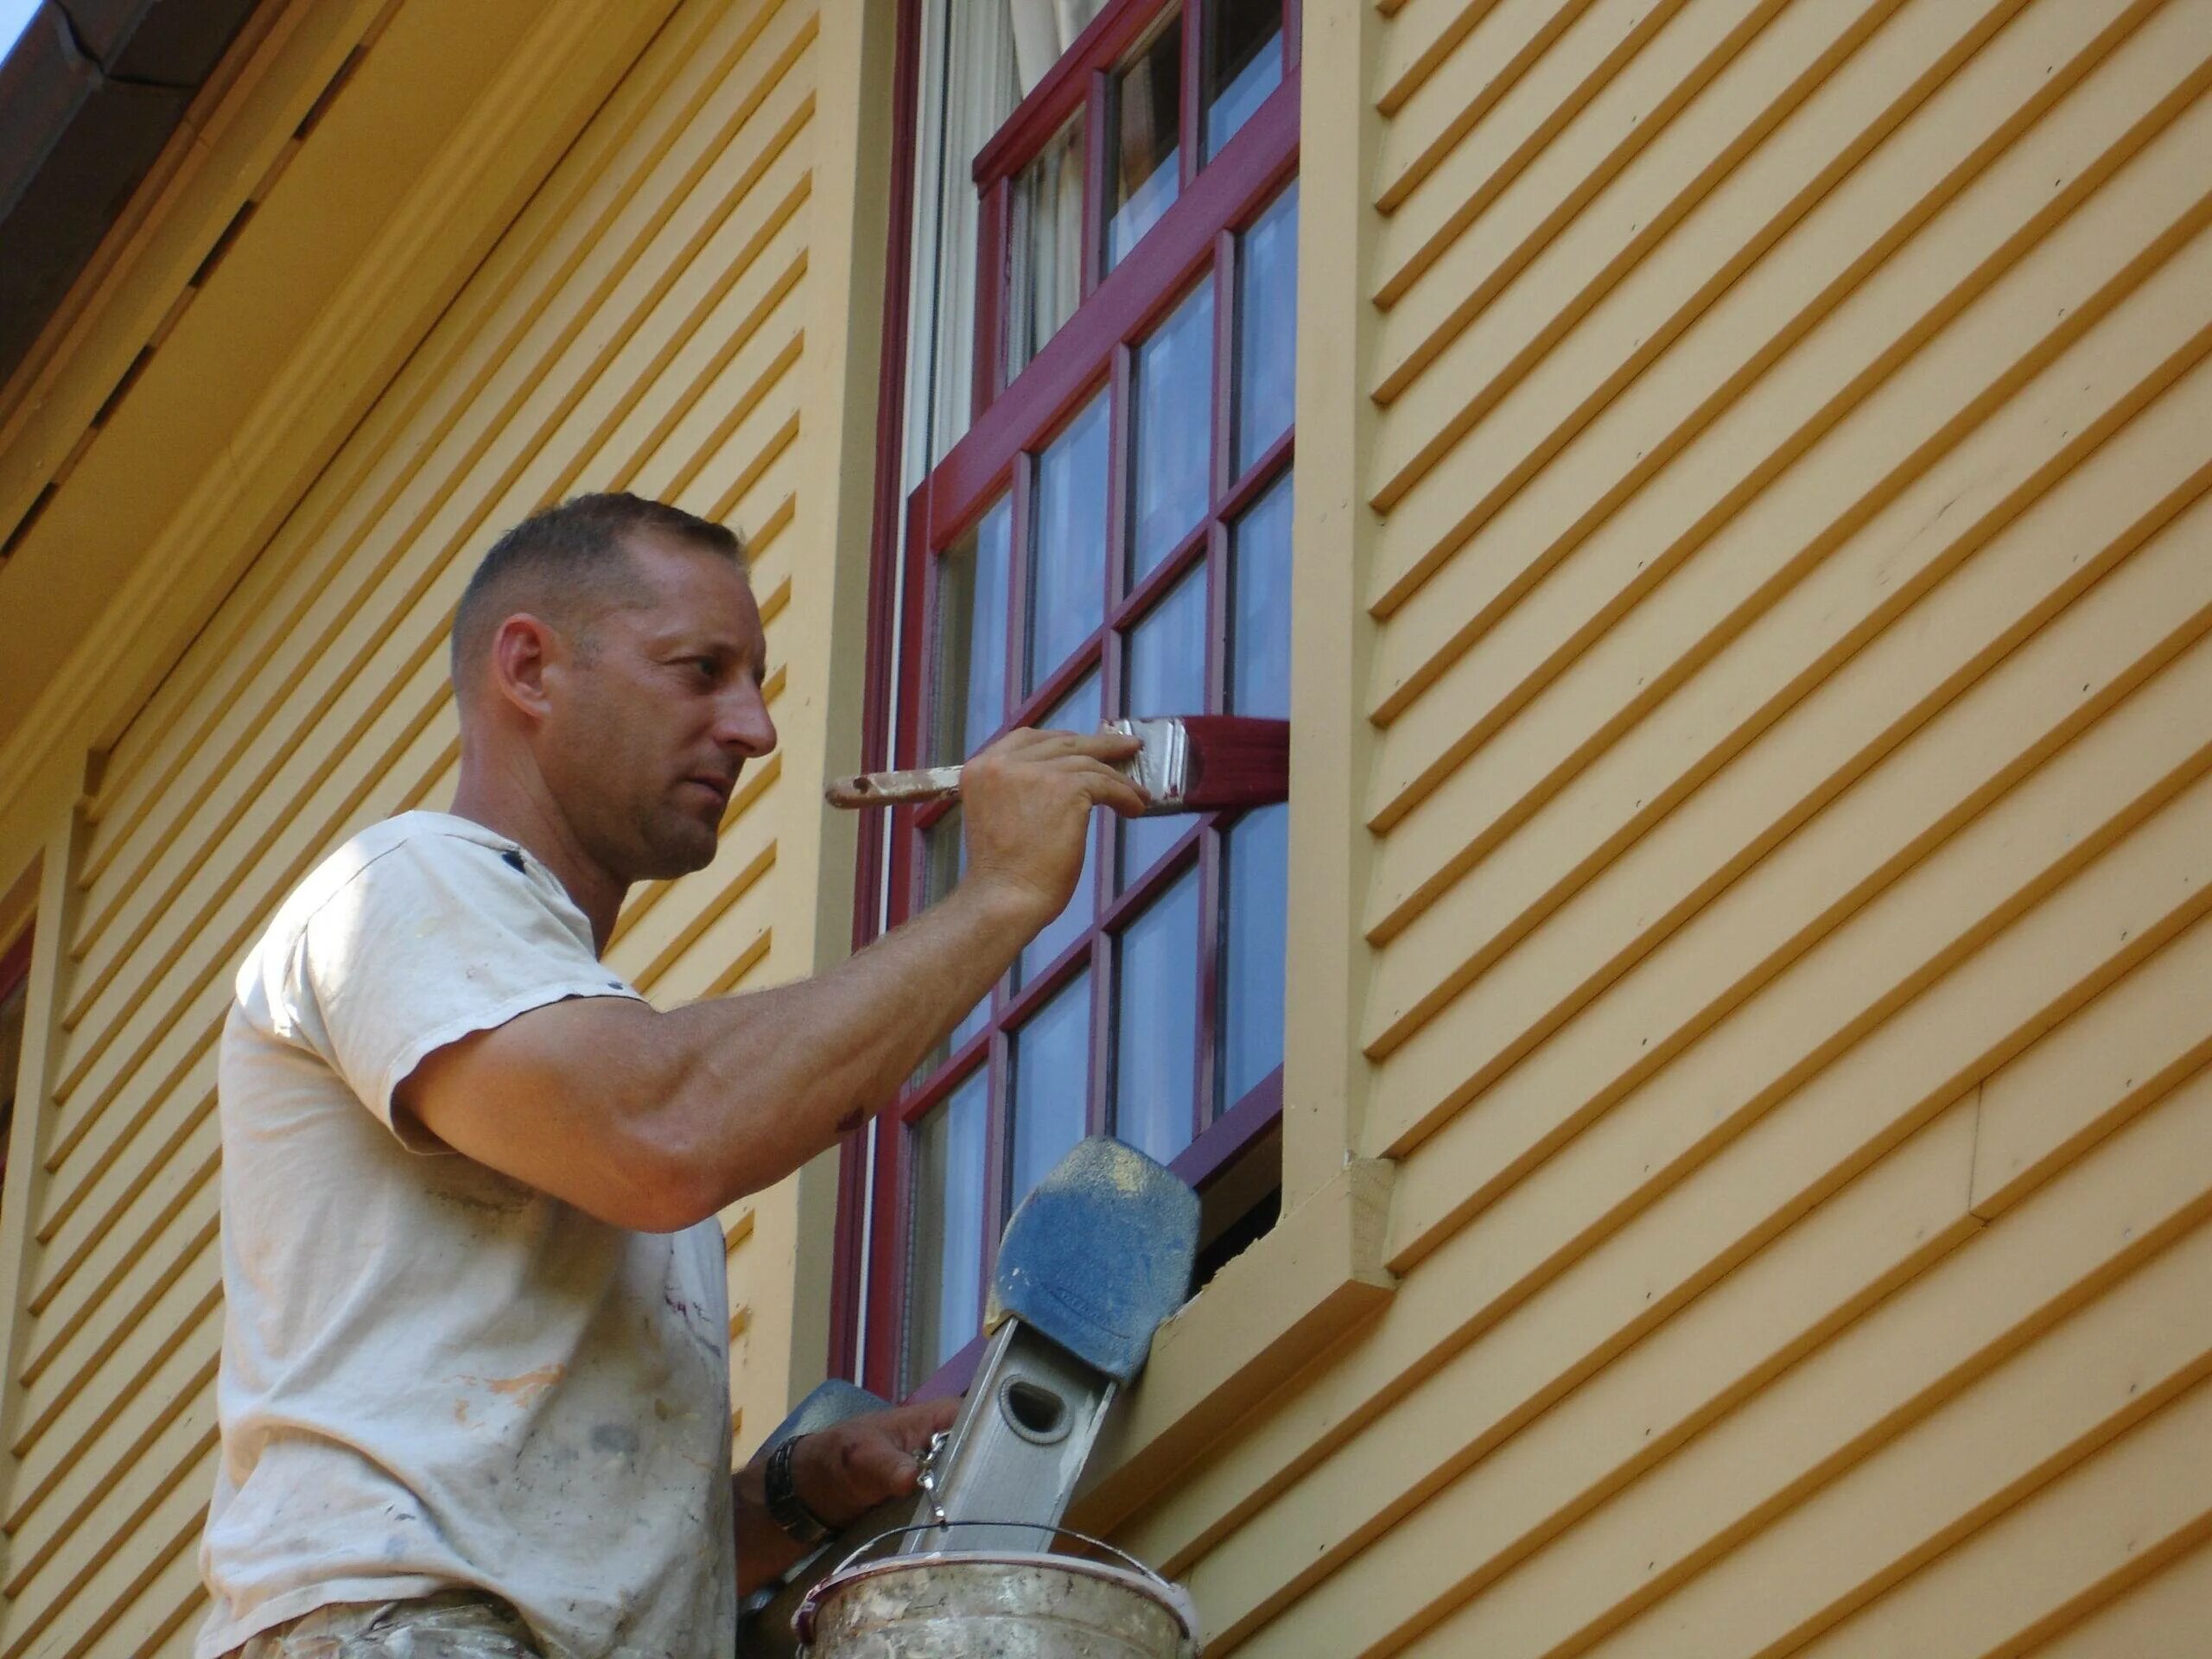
x=785, y=1508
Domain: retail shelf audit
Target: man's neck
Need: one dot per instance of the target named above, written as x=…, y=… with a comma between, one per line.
x=511, y=808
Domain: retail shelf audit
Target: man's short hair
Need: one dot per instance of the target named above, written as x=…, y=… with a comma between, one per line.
x=570, y=563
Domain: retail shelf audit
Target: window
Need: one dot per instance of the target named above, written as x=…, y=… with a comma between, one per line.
x=1110, y=534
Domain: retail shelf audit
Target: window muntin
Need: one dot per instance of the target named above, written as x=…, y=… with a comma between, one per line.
x=1135, y=522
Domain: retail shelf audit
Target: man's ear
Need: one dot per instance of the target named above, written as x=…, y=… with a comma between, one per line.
x=523, y=647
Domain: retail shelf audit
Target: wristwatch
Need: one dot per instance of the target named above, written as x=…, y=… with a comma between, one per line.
x=785, y=1508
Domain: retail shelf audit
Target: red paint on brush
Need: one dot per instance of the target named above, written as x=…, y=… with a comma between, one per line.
x=1235, y=761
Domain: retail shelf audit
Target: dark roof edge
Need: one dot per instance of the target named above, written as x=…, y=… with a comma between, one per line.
x=88, y=97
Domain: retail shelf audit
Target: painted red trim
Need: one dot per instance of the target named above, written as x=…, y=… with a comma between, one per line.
x=849, y=1242
x=995, y=458
x=1066, y=85
x=1238, y=185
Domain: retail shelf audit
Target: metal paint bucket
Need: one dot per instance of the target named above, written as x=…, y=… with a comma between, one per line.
x=995, y=1604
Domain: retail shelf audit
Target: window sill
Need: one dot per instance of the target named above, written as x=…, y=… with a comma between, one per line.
x=1316, y=1276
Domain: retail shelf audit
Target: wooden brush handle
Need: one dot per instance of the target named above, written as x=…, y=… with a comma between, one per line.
x=894, y=788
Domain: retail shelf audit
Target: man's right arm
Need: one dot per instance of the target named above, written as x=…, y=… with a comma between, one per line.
x=653, y=1121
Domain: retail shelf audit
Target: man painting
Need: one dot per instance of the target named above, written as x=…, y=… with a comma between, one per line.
x=474, y=1386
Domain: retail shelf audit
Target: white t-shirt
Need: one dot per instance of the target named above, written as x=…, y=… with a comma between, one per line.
x=434, y=1376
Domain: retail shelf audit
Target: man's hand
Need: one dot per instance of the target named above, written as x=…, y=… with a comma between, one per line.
x=1026, y=803
x=840, y=1473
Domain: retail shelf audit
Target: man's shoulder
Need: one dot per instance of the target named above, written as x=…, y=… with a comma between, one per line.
x=413, y=843
x=421, y=836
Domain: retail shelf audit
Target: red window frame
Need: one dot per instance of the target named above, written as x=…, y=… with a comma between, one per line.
x=994, y=461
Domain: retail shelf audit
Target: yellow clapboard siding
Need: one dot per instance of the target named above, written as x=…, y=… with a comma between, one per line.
x=108, y=1601
x=146, y=1318
x=1812, y=326
x=2131, y=1350
x=176, y=1457
x=443, y=370
x=634, y=218
x=1962, y=1319
x=2115, y=1517
x=2158, y=1619
x=107, y=1238
x=1572, y=117
x=1520, y=1406
x=1420, y=40
x=59, y=1477
x=1658, y=136
x=1816, y=885
x=2075, y=1085
x=1986, y=1007
x=288, y=831
x=1588, y=916
x=1713, y=694
x=1436, y=88
x=730, y=945
x=1777, y=299
x=122, y=928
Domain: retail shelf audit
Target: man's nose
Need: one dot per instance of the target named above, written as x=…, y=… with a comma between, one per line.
x=743, y=723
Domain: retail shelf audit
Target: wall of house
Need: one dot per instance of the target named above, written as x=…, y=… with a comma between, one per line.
x=1777, y=433
x=653, y=318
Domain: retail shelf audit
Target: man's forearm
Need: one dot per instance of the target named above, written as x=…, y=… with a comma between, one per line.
x=766, y=1080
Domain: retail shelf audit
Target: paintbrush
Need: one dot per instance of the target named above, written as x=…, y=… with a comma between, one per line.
x=1188, y=763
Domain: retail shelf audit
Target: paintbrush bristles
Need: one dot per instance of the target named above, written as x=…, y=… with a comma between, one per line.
x=1235, y=761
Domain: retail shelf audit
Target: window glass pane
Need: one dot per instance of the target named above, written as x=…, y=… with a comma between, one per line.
x=1077, y=712
x=1067, y=543
x=1045, y=246
x=945, y=1280
x=1267, y=332
x=1052, y=1083
x=971, y=655
x=1244, y=64
x=1259, y=605
x=1144, y=155
x=945, y=861
x=1257, y=852
x=1156, y=1023
x=1175, y=412
x=1164, y=672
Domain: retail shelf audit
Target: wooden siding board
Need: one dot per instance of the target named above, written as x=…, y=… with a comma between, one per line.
x=1607, y=1369
x=1420, y=40
x=1875, y=739
x=1837, y=882
x=1719, y=685
x=2044, y=1108
x=2138, y=1345
x=2158, y=1619
x=2107, y=1224
x=1786, y=1161
x=1769, y=194
x=1437, y=83
x=486, y=413
x=2109, y=1522
x=1884, y=261
x=652, y=282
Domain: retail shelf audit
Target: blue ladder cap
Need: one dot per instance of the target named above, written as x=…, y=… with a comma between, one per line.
x=1097, y=1254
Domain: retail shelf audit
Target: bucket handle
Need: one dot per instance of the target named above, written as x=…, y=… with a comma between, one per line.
x=1173, y=1593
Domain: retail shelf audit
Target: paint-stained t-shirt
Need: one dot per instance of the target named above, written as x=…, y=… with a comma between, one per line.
x=434, y=1376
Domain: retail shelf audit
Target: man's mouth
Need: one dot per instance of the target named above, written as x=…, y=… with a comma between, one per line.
x=720, y=787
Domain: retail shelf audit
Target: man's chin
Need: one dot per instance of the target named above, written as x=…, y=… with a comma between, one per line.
x=679, y=848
